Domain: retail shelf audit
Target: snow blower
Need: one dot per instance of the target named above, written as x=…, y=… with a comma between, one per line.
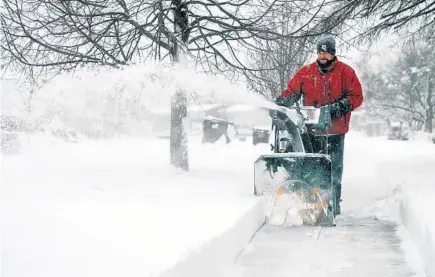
x=296, y=178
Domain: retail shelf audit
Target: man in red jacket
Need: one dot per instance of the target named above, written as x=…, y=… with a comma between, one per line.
x=328, y=81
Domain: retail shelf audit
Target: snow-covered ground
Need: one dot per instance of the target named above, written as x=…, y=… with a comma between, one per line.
x=379, y=231
x=116, y=208
x=400, y=176
x=413, y=169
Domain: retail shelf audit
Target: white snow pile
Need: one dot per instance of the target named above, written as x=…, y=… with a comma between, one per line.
x=416, y=178
x=400, y=174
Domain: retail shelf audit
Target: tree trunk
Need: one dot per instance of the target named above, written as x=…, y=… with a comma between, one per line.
x=178, y=137
x=429, y=108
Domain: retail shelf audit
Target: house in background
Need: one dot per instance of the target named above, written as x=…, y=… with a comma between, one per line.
x=161, y=118
x=372, y=126
x=247, y=118
x=244, y=117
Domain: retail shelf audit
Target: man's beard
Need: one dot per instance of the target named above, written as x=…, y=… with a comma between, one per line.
x=325, y=64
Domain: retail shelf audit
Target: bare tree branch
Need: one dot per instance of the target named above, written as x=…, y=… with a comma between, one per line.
x=61, y=35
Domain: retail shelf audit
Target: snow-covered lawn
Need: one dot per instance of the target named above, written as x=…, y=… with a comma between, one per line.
x=117, y=208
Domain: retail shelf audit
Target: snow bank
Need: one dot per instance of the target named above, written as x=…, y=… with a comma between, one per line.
x=417, y=206
x=115, y=208
x=416, y=211
x=403, y=181
x=216, y=257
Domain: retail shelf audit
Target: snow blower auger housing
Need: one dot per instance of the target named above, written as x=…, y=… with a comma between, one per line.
x=296, y=178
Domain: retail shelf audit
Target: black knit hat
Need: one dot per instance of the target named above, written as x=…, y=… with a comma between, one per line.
x=326, y=44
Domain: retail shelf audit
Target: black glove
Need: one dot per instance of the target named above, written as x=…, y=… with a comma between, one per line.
x=340, y=108
x=286, y=101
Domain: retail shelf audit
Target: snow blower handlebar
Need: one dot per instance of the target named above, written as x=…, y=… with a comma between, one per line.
x=325, y=120
x=305, y=116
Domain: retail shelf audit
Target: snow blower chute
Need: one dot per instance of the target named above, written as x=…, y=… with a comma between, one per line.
x=296, y=177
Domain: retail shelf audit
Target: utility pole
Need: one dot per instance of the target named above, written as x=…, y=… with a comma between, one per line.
x=178, y=137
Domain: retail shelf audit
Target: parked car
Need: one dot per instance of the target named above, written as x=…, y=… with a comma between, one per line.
x=260, y=135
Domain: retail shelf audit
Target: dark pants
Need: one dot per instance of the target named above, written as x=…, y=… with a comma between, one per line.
x=336, y=151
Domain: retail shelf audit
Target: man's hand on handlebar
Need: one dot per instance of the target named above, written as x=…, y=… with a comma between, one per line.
x=340, y=108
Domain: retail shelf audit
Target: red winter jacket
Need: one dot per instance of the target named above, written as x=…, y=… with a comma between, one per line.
x=319, y=90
